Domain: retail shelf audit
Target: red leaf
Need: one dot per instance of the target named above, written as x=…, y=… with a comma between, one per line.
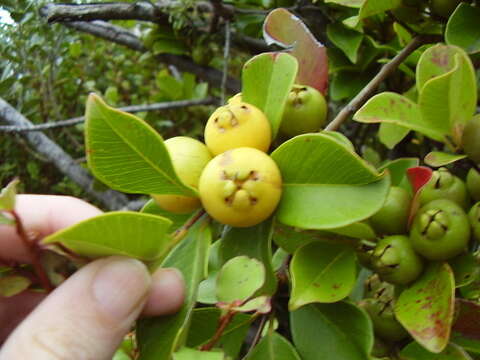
x=286, y=30
x=419, y=176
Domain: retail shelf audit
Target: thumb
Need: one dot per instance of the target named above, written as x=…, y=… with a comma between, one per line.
x=85, y=318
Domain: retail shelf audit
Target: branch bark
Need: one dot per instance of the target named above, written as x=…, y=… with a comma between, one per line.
x=54, y=153
x=372, y=86
x=145, y=11
x=130, y=109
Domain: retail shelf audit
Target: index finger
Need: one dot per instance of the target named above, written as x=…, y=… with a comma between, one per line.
x=41, y=215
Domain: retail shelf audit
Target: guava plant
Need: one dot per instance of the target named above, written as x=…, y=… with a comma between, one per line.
x=285, y=234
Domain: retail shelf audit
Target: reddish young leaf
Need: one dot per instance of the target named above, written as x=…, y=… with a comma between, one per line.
x=418, y=176
x=283, y=28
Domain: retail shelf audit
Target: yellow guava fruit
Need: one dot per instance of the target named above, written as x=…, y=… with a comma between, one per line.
x=241, y=187
x=237, y=125
x=189, y=158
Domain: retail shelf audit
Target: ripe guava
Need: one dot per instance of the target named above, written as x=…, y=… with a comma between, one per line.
x=240, y=187
x=189, y=158
x=235, y=99
x=305, y=111
x=235, y=125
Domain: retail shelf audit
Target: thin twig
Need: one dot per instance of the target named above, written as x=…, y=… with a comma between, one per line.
x=226, y=56
x=371, y=87
x=222, y=325
x=34, y=253
x=130, y=109
x=258, y=335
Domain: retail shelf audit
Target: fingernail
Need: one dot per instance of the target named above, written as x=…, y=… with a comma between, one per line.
x=168, y=276
x=120, y=287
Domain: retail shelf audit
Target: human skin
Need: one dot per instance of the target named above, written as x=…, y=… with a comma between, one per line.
x=89, y=314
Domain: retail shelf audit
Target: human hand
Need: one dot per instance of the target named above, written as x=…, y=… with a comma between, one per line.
x=90, y=313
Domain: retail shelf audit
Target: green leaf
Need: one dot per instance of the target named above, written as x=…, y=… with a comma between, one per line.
x=194, y=354
x=190, y=257
x=425, y=308
x=467, y=325
x=342, y=329
x=449, y=100
x=177, y=220
x=325, y=184
x=239, y=278
x=345, y=39
x=204, y=323
x=415, y=351
x=322, y=272
x=254, y=242
x=349, y=3
x=266, y=82
x=128, y=155
x=439, y=158
x=290, y=239
x=7, y=196
x=393, y=108
x=398, y=169
x=373, y=7
x=141, y=236
x=288, y=31
x=358, y=230
x=391, y=134
x=462, y=28
x=11, y=285
x=273, y=347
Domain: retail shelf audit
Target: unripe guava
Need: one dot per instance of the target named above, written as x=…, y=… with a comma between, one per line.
x=471, y=139
x=384, y=322
x=445, y=185
x=473, y=184
x=240, y=187
x=440, y=230
x=474, y=218
x=235, y=125
x=392, y=218
x=305, y=111
x=443, y=8
x=189, y=158
x=395, y=260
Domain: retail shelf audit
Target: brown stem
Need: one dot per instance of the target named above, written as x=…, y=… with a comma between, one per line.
x=182, y=231
x=222, y=325
x=370, y=88
x=34, y=252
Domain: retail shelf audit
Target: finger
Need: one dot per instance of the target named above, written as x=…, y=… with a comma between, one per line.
x=86, y=317
x=167, y=293
x=41, y=215
x=15, y=308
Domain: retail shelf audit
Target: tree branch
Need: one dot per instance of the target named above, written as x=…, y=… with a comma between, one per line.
x=140, y=10
x=372, y=86
x=54, y=153
x=130, y=109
